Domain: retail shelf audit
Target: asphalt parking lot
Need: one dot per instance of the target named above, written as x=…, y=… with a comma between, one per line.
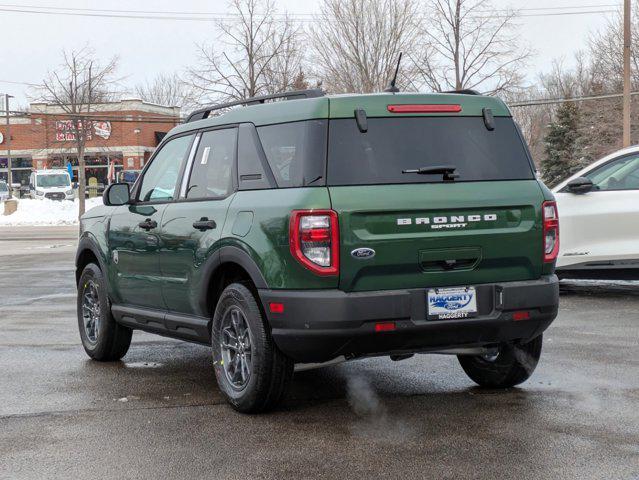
x=158, y=413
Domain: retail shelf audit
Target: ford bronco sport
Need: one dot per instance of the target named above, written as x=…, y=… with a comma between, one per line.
x=303, y=229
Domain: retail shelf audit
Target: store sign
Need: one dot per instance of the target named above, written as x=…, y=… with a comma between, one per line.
x=65, y=130
x=1, y=138
x=102, y=129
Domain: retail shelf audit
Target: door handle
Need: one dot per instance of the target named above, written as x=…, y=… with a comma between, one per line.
x=148, y=224
x=204, y=224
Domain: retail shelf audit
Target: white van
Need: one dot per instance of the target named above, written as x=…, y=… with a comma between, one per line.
x=51, y=184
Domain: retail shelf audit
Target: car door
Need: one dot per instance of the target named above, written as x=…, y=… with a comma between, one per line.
x=601, y=227
x=133, y=236
x=192, y=226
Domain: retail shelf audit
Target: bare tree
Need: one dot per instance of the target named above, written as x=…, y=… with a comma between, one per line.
x=470, y=46
x=606, y=51
x=261, y=54
x=358, y=42
x=75, y=87
x=169, y=90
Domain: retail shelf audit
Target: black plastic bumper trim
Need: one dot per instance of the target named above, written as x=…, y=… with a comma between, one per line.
x=318, y=325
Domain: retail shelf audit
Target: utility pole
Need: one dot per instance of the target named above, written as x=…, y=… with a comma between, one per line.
x=6, y=110
x=626, y=73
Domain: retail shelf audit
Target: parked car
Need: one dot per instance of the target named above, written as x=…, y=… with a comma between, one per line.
x=599, y=206
x=328, y=228
x=51, y=184
x=4, y=191
x=128, y=176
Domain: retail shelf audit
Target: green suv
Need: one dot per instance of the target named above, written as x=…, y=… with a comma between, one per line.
x=300, y=230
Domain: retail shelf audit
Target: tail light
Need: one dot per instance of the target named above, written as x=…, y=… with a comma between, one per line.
x=314, y=240
x=551, y=231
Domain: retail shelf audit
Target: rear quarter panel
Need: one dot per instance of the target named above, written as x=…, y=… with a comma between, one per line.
x=258, y=222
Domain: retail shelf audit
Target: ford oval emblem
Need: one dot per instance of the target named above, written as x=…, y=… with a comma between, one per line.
x=363, y=253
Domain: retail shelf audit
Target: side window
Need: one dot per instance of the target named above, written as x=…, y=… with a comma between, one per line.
x=252, y=169
x=296, y=152
x=212, y=172
x=161, y=177
x=619, y=174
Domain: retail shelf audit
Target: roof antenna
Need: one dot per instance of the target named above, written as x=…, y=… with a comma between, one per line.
x=391, y=86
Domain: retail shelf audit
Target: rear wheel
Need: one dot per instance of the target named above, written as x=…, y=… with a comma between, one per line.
x=251, y=372
x=102, y=338
x=512, y=364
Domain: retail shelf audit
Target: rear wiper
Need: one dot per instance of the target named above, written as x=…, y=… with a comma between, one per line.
x=448, y=171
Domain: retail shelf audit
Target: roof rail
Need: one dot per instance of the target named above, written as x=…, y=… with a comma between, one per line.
x=466, y=91
x=293, y=95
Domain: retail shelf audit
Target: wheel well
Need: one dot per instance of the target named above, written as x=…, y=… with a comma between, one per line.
x=85, y=257
x=223, y=276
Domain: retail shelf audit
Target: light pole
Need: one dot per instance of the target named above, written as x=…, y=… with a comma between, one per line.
x=9, y=175
x=137, y=132
x=626, y=73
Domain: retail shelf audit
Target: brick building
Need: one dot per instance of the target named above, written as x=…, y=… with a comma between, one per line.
x=124, y=133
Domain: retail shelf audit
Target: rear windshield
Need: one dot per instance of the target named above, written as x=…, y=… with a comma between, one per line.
x=394, y=144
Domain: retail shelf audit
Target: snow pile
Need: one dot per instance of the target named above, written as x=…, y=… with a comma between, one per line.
x=45, y=212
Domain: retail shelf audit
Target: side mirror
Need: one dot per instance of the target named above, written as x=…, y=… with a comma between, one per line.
x=116, y=194
x=579, y=185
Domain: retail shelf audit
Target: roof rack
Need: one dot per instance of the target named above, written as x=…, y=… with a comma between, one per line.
x=293, y=95
x=467, y=91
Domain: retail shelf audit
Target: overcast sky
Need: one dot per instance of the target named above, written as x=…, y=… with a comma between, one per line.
x=32, y=42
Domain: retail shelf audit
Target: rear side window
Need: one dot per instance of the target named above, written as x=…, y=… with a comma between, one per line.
x=212, y=172
x=296, y=152
x=392, y=145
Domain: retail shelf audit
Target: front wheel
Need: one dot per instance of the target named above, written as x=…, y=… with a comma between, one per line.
x=512, y=364
x=102, y=338
x=251, y=372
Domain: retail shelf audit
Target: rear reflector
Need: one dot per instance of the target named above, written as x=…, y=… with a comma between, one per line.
x=523, y=315
x=424, y=108
x=276, y=307
x=384, y=326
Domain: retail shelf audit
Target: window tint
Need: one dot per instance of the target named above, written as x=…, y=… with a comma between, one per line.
x=251, y=167
x=212, y=172
x=161, y=177
x=296, y=152
x=620, y=174
x=396, y=144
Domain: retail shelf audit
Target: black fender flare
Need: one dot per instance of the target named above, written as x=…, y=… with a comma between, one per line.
x=227, y=254
x=88, y=243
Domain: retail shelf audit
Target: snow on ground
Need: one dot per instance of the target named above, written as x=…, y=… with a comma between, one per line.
x=45, y=212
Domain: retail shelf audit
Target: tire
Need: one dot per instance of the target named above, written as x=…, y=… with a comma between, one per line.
x=514, y=364
x=110, y=341
x=238, y=323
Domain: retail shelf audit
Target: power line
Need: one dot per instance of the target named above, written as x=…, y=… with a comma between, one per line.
x=13, y=82
x=291, y=14
x=550, y=101
x=228, y=16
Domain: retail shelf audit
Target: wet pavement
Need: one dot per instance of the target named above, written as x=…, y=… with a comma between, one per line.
x=159, y=414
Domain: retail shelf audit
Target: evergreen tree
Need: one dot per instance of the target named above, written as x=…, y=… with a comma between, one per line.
x=562, y=145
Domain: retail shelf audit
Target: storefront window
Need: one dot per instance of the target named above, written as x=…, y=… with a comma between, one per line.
x=21, y=168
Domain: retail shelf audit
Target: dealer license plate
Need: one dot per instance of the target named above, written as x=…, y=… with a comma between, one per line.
x=458, y=302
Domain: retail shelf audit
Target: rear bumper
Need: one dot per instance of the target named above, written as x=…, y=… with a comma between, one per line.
x=319, y=325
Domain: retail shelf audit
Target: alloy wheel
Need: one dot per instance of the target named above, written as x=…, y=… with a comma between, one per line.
x=91, y=311
x=235, y=346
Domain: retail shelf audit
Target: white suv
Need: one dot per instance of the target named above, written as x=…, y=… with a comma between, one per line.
x=51, y=184
x=599, y=226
